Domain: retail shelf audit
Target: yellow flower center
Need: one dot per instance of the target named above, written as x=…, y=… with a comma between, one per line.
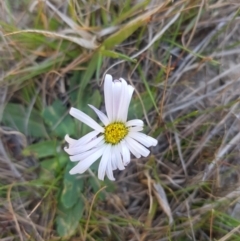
x=115, y=132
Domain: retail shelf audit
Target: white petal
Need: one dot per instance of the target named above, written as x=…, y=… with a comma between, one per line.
x=140, y=137
x=100, y=115
x=128, y=91
x=84, y=155
x=85, y=119
x=153, y=140
x=108, y=93
x=69, y=140
x=119, y=162
x=104, y=162
x=110, y=171
x=86, y=147
x=85, y=139
x=138, y=147
x=135, y=122
x=125, y=153
x=122, y=99
x=113, y=160
x=83, y=165
x=132, y=149
x=117, y=90
x=135, y=128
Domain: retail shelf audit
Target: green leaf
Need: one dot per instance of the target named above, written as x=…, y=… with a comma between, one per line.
x=16, y=116
x=92, y=66
x=74, y=84
x=52, y=166
x=126, y=31
x=68, y=218
x=58, y=119
x=35, y=70
x=136, y=108
x=150, y=93
x=42, y=149
x=91, y=69
x=72, y=188
x=116, y=55
x=130, y=10
x=99, y=65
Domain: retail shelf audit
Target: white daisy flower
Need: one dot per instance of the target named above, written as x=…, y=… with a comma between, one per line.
x=114, y=141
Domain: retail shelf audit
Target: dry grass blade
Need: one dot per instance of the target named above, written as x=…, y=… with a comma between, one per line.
x=13, y=214
x=220, y=154
x=159, y=34
x=80, y=41
x=227, y=236
x=90, y=211
x=3, y=94
x=64, y=18
x=162, y=200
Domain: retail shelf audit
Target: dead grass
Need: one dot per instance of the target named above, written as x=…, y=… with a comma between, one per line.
x=182, y=57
